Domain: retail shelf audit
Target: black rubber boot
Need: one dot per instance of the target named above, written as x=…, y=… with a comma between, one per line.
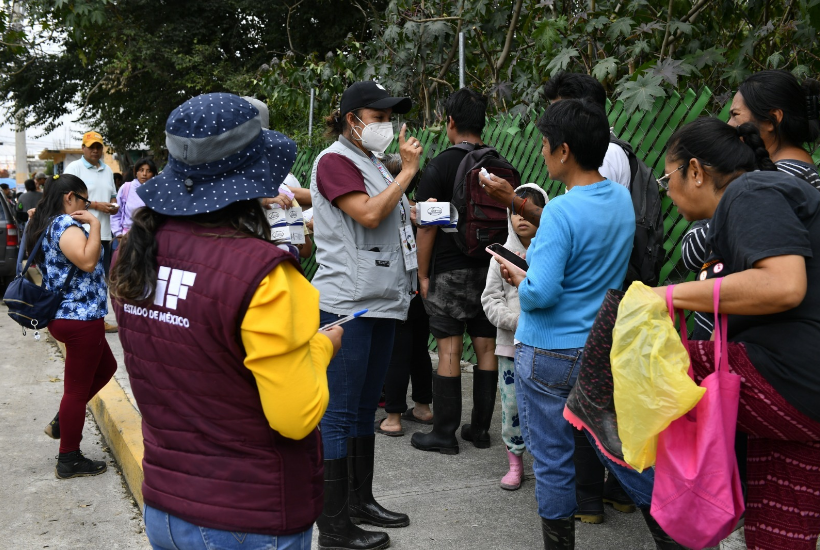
x=336, y=531
x=615, y=495
x=559, y=534
x=446, y=417
x=53, y=428
x=662, y=540
x=485, y=385
x=363, y=506
x=589, y=480
x=74, y=464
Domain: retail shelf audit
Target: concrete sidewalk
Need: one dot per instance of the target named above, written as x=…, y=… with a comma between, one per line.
x=38, y=510
x=454, y=502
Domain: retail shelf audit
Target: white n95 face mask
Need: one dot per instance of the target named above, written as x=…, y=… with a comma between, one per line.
x=376, y=136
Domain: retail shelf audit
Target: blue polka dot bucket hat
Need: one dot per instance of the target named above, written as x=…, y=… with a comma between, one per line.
x=218, y=154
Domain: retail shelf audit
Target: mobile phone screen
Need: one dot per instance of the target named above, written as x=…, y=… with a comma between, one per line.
x=511, y=257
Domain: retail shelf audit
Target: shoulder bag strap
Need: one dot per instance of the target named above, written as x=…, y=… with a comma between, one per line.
x=684, y=336
x=36, y=248
x=721, y=331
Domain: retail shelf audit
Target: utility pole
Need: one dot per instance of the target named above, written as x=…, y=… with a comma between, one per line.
x=20, y=152
x=461, y=59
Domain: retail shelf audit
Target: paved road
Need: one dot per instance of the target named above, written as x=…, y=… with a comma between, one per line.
x=38, y=510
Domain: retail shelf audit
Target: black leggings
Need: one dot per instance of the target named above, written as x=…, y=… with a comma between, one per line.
x=410, y=361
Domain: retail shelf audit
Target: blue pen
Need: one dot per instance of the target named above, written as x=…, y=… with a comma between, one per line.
x=344, y=319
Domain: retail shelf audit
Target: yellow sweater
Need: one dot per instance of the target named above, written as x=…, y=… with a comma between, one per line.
x=285, y=353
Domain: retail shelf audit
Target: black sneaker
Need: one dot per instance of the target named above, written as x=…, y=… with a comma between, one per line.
x=53, y=428
x=74, y=464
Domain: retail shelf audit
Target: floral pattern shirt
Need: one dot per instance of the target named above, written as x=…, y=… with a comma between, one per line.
x=85, y=298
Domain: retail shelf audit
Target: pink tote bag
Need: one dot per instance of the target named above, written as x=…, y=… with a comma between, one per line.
x=697, y=498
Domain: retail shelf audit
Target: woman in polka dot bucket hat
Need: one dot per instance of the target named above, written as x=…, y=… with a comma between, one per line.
x=218, y=154
x=227, y=371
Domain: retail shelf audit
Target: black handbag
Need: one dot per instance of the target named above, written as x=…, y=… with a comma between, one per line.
x=32, y=306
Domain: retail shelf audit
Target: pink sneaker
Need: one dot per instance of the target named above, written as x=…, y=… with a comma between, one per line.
x=512, y=480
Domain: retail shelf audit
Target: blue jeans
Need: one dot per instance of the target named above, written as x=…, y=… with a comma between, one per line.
x=355, y=378
x=543, y=380
x=167, y=532
x=637, y=485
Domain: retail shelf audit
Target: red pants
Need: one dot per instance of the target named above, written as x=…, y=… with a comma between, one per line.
x=783, y=477
x=89, y=365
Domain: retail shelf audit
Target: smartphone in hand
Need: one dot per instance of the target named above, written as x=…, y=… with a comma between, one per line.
x=501, y=252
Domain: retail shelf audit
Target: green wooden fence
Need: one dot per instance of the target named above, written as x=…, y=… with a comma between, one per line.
x=647, y=131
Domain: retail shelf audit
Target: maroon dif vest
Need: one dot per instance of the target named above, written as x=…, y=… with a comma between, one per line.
x=211, y=458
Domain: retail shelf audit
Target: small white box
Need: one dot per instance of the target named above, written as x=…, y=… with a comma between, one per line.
x=294, y=215
x=277, y=216
x=437, y=213
x=280, y=234
x=297, y=234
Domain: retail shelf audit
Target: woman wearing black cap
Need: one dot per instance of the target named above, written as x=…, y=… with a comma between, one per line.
x=366, y=256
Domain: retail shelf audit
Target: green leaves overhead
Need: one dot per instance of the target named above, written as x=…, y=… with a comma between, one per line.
x=605, y=68
x=562, y=60
x=134, y=60
x=620, y=27
x=641, y=93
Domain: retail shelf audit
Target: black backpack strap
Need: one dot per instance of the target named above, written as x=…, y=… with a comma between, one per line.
x=36, y=248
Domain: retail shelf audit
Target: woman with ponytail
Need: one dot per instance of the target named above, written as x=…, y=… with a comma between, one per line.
x=785, y=113
x=764, y=240
x=68, y=250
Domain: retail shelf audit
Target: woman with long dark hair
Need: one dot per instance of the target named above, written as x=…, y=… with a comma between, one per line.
x=764, y=240
x=68, y=250
x=785, y=113
x=220, y=332
x=128, y=199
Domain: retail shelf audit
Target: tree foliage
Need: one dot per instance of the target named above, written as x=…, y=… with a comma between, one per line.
x=639, y=50
x=129, y=63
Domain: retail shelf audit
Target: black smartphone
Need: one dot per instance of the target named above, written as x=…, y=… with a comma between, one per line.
x=498, y=250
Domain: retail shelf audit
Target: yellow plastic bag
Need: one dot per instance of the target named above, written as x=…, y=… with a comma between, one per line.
x=650, y=372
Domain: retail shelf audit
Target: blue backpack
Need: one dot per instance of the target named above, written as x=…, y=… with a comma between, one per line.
x=33, y=306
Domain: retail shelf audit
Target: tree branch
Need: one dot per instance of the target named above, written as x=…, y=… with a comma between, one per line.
x=440, y=81
x=505, y=53
x=287, y=24
x=94, y=89
x=666, y=32
x=431, y=19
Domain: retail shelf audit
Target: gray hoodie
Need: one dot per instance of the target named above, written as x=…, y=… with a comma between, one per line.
x=500, y=299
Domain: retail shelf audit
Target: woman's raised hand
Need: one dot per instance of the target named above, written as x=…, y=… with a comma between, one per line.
x=410, y=151
x=85, y=217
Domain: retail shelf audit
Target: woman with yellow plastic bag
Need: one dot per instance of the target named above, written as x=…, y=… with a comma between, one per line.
x=650, y=373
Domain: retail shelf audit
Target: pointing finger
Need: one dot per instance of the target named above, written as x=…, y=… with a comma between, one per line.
x=402, y=133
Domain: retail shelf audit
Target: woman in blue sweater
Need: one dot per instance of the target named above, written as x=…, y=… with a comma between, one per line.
x=581, y=249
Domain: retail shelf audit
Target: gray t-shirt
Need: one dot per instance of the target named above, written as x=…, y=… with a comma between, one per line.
x=29, y=200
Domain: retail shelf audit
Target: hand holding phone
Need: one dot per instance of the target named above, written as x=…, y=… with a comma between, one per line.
x=498, y=251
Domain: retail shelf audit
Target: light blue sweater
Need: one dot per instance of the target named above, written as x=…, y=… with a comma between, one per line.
x=581, y=250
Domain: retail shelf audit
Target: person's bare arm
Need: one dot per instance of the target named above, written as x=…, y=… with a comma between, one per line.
x=772, y=285
x=81, y=251
x=305, y=249
x=301, y=195
x=425, y=239
x=502, y=192
x=370, y=211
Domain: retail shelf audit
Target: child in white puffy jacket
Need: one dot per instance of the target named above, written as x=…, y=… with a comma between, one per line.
x=500, y=302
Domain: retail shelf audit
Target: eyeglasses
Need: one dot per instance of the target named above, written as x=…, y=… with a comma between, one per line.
x=84, y=199
x=663, y=181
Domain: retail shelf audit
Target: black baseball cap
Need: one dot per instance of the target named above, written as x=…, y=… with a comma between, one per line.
x=372, y=95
